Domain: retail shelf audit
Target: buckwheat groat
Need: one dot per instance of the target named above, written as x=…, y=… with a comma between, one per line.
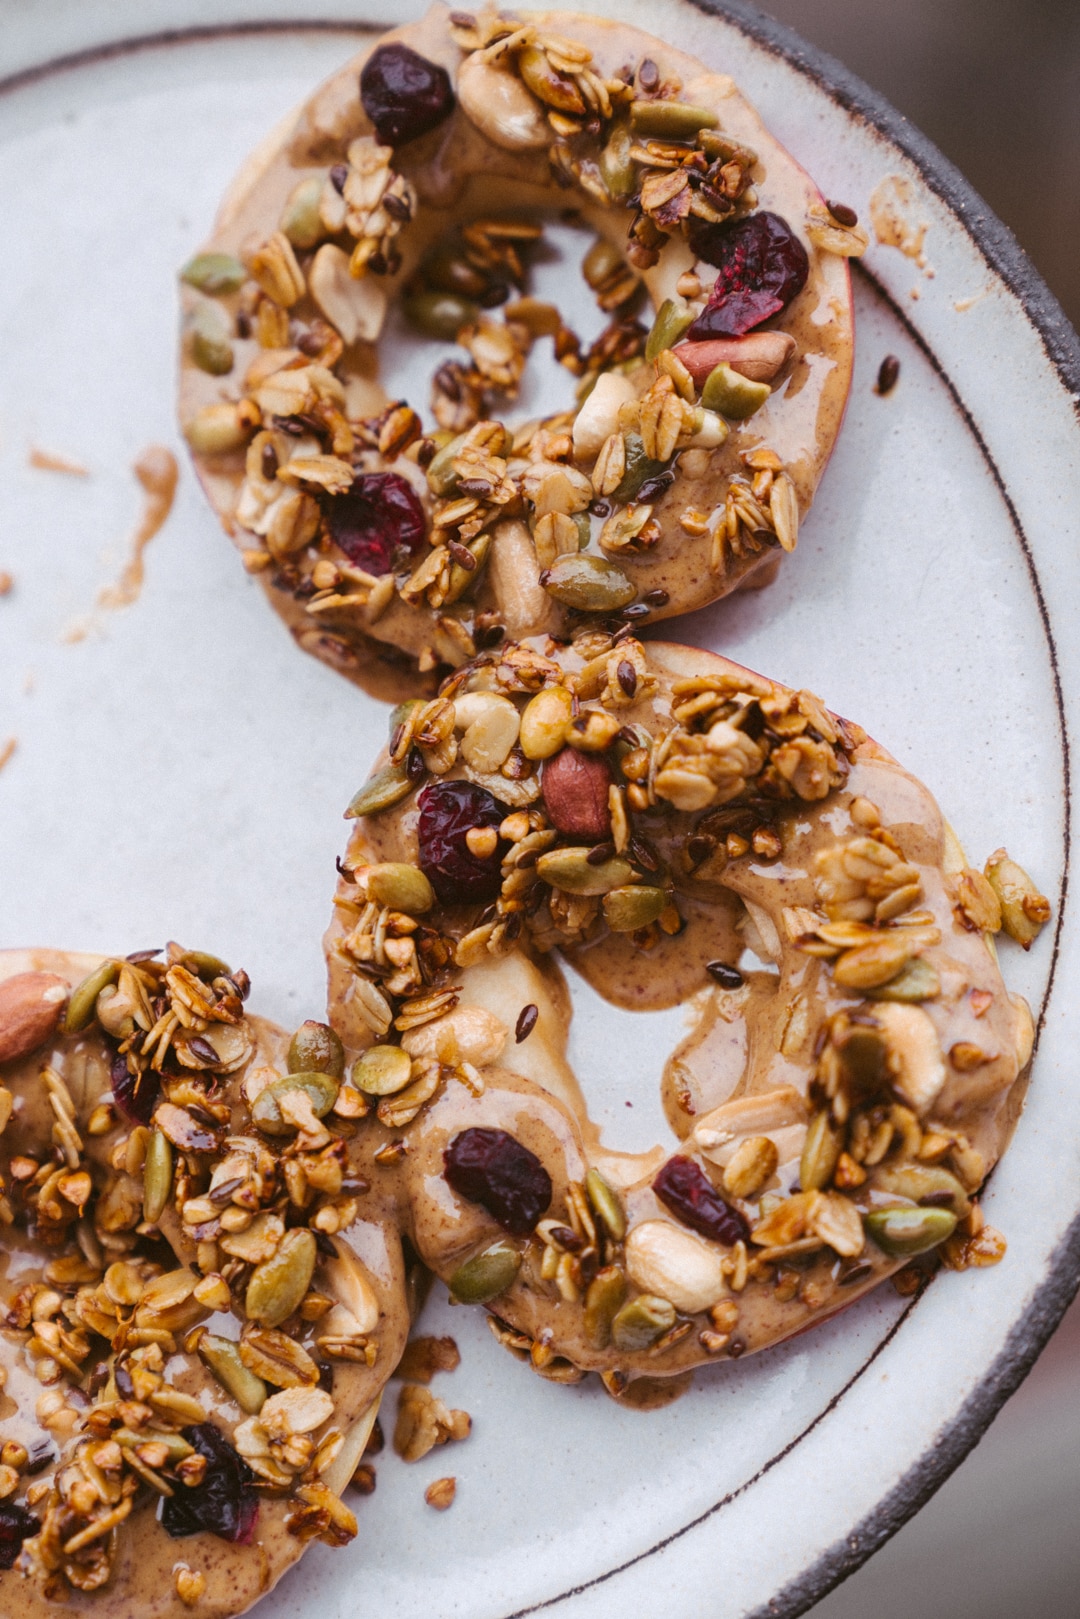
x=649, y=812
x=420, y=177
x=198, y=1315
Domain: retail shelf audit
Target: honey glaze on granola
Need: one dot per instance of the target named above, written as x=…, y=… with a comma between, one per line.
x=198, y=1317
x=681, y=472
x=836, y=1108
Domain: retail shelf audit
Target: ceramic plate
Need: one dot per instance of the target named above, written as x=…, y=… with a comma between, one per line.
x=181, y=769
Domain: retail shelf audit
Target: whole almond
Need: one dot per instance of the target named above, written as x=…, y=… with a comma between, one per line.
x=758, y=356
x=30, y=1008
x=575, y=788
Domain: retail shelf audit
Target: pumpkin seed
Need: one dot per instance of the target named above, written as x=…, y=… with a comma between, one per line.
x=211, y=330
x=176, y=1445
x=316, y=1049
x=732, y=395
x=463, y=579
x=84, y=996
x=639, y=468
x=157, y=1176
x=300, y=220
x=322, y=1089
x=214, y=273
x=445, y=266
x=217, y=430
x=381, y=791
x=401, y=714
x=921, y=1182
x=606, y=1205
x=570, y=871
x=223, y=1358
x=672, y=320
x=600, y=261
x=918, y=981
x=440, y=315
x=820, y=1154
x=401, y=886
x=903, y=1232
x=616, y=165
x=589, y=584
x=1024, y=909
x=441, y=477
x=486, y=1274
x=205, y=965
x=628, y=909
x=278, y=1284
x=545, y=722
x=605, y=1296
x=641, y=1322
x=382, y=1071
x=669, y=120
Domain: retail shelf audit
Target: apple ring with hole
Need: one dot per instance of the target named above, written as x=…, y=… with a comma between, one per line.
x=649, y=812
x=418, y=183
x=198, y=1318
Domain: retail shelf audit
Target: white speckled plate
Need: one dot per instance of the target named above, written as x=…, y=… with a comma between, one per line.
x=180, y=771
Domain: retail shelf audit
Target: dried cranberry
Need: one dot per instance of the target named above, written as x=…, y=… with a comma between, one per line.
x=16, y=1525
x=490, y=1168
x=762, y=266
x=449, y=809
x=377, y=522
x=684, y=1188
x=224, y=1504
x=136, y=1095
x=404, y=94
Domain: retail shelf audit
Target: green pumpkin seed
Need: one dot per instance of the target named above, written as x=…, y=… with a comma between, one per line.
x=600, y=261
x=463, y=579
x=440, y=315
x=382, y=1071
x=485, y=1275
x=157, y=1176
x=570, y=871
x=322, y=1089
x=921, y=1181
x=223, y=1358
x=589, y=584
x=211, y=330
x=918, y=981
x=639, y=467
x=903, y=1232
x=446, y=268
x=606, y=1205
x=716, y=144
x=205, y=965
x=81, y=1006
x=628, y=909
x=670, y=120
x=401, y=886
x=732, y=395
x=316, y=1049
x=641, y=1322
x=278, y=1284
x=381, y=791
x=214, y=273
x=616, y=165
x=300, y=220
x=672, y=320
x=441, y=477
x=821, y=1152
x=605, y=1296
x=402, y=714
x=176, y=1445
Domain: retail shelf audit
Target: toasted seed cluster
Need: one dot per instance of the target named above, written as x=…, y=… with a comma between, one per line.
x=237, y=1164
x=589, y=483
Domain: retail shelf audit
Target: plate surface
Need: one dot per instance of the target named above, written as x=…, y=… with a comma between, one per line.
x=181, y=770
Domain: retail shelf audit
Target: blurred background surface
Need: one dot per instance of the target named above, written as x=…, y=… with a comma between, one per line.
x=996, y=85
